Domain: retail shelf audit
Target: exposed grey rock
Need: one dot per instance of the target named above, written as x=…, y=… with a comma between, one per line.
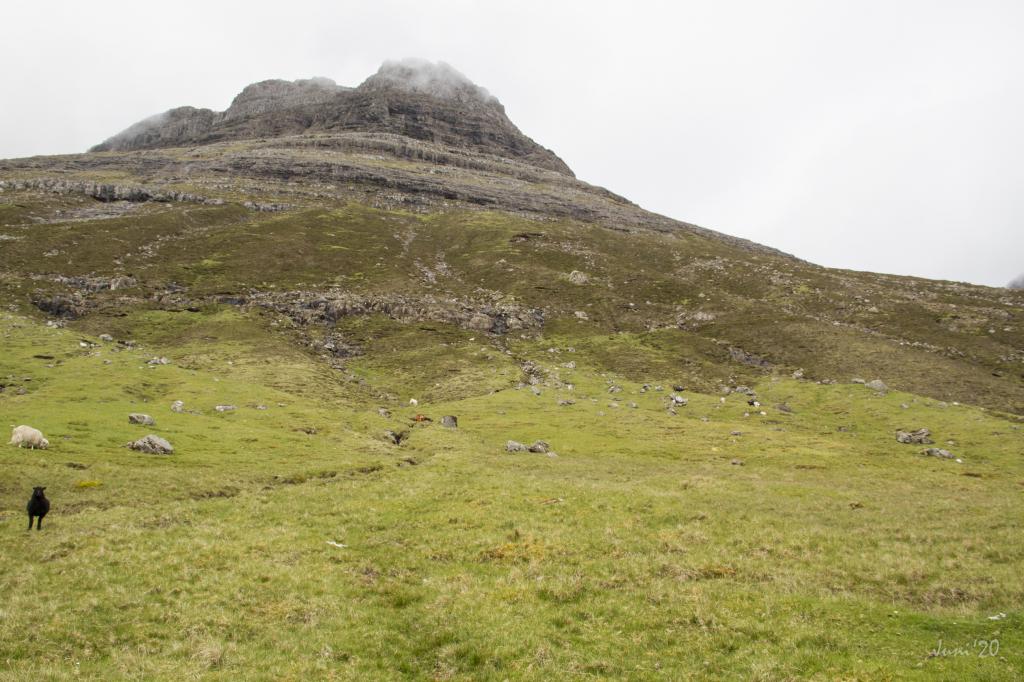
x=564, y=402
x=515, y=446
x=877, y=385
x=577, y=277
x=177, y=406
x=679, y=400
x=919, y=437
x=450, y=421
x=939, y=452
x=106, y=337
x=158, y=361
x=384, y=412
x=540, y=447
x=139, y=418
x=783, y=407
x=736, y=462
x=152, y=444
x=225, y=408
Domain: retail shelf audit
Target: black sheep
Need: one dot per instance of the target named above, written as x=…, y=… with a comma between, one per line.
x=38, y=506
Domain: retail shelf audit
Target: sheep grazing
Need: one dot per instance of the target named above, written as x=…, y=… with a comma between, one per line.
x=38, y=506
x=413, y=402
x=26, y=436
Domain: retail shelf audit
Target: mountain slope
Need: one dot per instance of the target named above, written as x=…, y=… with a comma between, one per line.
x=726, y=498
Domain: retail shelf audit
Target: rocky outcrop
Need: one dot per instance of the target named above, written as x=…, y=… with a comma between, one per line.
x=329, y=307
x=416, y=99
x=105, y=191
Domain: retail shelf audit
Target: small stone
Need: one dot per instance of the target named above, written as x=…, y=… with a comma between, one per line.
x=736, y=462
x=139, y=418
x=225, y=408
x=919, y=437
x=939, y=452
x=177, y=406
x=106, y=337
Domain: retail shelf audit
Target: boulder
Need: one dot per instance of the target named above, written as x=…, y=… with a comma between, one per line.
x=577, y=277
x=177, y=406
x=515, y=446
x=540, y=446
x=138, y=418
x=877, y=385
x=153, y=445
x=450, y=421
x=939, y=452
x=919, y=437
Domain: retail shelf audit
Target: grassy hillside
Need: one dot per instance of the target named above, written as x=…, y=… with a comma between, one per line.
x=640, y=551
x=318, y=284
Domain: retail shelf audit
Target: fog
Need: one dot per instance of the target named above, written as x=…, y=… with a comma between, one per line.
x=871, y=135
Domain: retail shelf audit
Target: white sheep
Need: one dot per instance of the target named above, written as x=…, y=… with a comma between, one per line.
x=28, y=437
x=413, y=402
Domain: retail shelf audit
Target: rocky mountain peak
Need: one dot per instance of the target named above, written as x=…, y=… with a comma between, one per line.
x=272, y=95
x=417, y=99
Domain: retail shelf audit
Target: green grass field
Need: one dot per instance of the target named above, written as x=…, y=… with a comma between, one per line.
x=828, y=551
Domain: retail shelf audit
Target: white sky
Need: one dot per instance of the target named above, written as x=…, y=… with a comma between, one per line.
x=884, y=136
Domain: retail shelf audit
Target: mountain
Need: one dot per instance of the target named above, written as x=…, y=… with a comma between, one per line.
x=441, y=410
x=414, y=99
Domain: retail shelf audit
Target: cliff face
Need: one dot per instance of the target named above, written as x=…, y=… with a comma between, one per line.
x=420, y=100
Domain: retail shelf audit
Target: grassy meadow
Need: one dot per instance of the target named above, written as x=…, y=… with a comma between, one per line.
x=290, y=540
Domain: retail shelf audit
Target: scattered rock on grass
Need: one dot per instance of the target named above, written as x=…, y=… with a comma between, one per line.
x=450, y=421
x=152, y=444
x=138, y=418
x=177, y=406
x=225, y=408
x=919, y=437
x=939, y=452
x=877, y=385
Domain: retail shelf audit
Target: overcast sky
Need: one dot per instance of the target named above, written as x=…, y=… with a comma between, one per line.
x=884, y=136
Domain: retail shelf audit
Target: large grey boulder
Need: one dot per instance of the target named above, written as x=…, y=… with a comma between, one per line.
x=877, y=385
x=152, y=444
